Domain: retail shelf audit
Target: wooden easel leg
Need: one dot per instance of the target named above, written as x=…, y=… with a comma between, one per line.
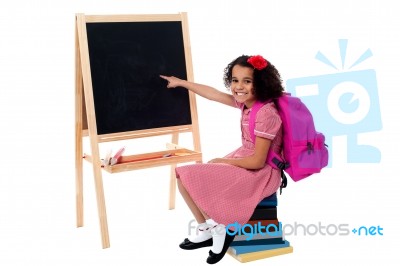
x=84, y=74
x=78, y=134
x=79, y=185
x=172, y=180
x=101, y=208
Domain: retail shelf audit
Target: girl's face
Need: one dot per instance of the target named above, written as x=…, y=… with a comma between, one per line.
x=242, y=86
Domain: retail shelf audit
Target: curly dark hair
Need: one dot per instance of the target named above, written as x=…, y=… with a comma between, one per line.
x=267, y=82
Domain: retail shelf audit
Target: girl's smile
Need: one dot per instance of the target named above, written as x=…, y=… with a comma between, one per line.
x=242, y=85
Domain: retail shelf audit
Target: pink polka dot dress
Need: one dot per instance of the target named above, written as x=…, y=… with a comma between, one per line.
x=228, y=193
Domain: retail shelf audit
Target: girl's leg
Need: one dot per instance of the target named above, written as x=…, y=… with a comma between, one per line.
x=202, y=237
x=197, y=213
x=216, y=238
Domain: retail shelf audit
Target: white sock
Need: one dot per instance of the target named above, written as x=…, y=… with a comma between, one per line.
x=202, y=233
x=211, y=222
x=218, y=233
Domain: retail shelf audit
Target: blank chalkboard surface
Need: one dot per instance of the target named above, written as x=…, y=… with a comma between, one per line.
x=126, y=59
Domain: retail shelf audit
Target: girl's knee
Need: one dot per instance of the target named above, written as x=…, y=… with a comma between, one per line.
x=181, y=187
x=179, y=183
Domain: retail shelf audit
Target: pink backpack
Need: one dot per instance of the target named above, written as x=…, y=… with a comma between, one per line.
x=303, y=150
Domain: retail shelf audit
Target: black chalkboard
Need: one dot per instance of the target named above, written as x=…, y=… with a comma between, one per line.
x=126, y=59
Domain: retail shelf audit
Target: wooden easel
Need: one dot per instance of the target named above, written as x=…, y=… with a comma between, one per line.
x=84, y=104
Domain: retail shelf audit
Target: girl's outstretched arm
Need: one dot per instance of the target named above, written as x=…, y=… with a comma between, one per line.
x=202, y=90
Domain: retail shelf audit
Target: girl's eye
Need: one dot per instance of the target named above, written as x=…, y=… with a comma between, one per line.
x=247, y=81
x=234, y=80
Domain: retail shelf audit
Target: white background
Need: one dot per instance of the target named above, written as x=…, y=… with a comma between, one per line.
x=37, y=180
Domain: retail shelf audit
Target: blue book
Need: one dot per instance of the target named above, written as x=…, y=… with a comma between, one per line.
x=236, y=250
x=271, y=201
x=264, y=213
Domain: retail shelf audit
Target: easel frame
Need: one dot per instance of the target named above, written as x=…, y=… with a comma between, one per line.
x=84, y=104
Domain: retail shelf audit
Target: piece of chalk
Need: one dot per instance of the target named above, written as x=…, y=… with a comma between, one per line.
x=182, y=153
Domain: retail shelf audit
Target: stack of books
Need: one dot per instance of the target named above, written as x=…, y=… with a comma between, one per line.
x=262, y=236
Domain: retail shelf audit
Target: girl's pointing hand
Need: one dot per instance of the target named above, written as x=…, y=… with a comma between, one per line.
x=172, y=81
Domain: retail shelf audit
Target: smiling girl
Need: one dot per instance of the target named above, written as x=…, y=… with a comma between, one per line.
x=227, y=190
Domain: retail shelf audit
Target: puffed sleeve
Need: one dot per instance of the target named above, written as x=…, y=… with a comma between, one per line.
x=268, y=122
